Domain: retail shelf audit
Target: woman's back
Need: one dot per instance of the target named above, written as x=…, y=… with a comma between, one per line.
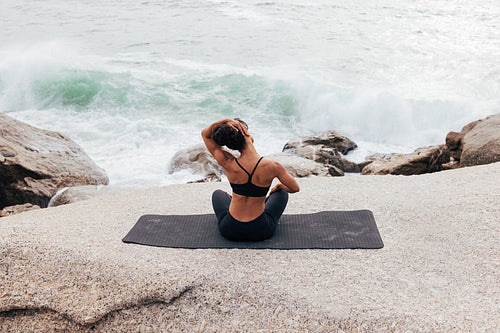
x=250, y=179
x=248, y=214
x=252, y=171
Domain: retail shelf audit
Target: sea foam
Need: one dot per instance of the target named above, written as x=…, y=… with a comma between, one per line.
x=133, y=119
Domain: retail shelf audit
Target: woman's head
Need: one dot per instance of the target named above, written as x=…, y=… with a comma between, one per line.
x=226, y=135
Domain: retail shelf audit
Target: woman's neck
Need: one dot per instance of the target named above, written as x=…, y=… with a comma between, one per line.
x=249, y=151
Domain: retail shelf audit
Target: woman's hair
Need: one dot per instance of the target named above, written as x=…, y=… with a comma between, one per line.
x=225, y=135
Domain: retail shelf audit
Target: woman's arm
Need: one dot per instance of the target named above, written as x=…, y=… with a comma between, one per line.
x=222, y=156
x=288, y=183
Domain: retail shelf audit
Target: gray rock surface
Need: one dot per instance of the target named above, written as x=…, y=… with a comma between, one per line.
x=66, y=269
x=78, y=193
x=477, y=143
x=481, y=144
x=422, y=160
x=199, y=160
x=329, y=139
x=300, y=167
x=36, y=163
x=325, y=148
x=11, y=210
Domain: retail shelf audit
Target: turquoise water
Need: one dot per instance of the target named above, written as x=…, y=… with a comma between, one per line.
x=135, y=82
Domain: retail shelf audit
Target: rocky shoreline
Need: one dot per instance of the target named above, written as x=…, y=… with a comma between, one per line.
x=35, y=164
x=39, y=168
x=324, y=155
x=65, y=268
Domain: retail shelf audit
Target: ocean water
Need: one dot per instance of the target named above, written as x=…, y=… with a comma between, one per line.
x=133, y=82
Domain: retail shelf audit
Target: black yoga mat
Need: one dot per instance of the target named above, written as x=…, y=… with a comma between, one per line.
x=324, y=230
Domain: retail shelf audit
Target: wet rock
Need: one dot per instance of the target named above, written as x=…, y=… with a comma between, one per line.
x=78, y=193
x=198, y=160
x=329, y=139
x=207, y=179
x=325, y=148
x=452, y=164
x=383, y=156
x=481, y=144
x=454, y=144
x=477, y=143
x=299, y=166
x=377, y=157
x=11, y=210
x=422, y=160
x=362, y=165
x=36, y=163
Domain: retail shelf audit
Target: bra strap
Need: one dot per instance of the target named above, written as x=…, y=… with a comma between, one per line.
x=243, y=168
x=256, y=165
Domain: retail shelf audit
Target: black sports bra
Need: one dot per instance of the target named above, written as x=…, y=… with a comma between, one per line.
x=248, y=189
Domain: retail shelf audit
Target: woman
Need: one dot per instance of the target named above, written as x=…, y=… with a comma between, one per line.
x=248, y=215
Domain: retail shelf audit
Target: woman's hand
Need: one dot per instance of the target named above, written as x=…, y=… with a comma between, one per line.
x=207, y=132
x=221, y=156
x=238, y=126
x=277, y=188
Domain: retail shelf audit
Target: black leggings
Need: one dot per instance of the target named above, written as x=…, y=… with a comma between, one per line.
x=261, y=228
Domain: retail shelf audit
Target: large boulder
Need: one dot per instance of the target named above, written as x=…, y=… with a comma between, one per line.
x=324, y=148
x=330, y=139
x=36, y=163
x=477, y=143
x=481, y=144
x=300, y=167
x=199, y=161
x=454, y=140
x=422, y=160
x=79, y=193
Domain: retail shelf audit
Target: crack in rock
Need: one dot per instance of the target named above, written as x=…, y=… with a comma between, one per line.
x=93, y=320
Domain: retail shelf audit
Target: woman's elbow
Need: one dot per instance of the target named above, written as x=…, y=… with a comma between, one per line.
x=294, y=189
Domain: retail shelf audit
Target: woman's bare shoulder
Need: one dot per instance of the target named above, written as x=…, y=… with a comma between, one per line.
x=272, y=165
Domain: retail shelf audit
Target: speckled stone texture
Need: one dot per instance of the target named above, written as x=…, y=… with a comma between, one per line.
x=66, y=269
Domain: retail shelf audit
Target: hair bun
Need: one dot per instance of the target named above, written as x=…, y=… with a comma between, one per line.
x=225, y=135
